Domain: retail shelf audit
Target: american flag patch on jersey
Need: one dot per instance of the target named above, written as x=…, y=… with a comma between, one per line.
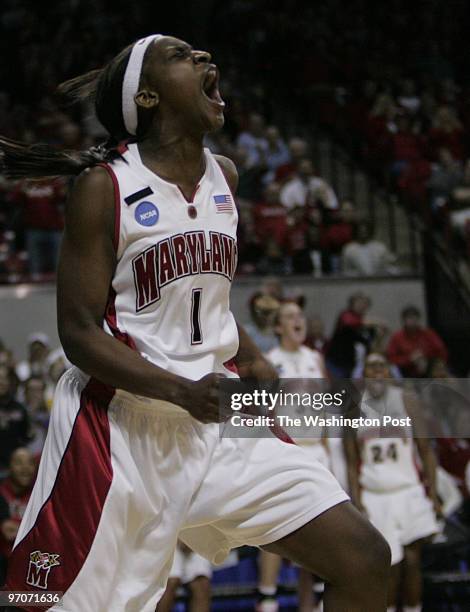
x=223, y=203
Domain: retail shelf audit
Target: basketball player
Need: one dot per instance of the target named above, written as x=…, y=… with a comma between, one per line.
x=193, y=571
x=292, y=360
x=133, y=459
x=385, y=483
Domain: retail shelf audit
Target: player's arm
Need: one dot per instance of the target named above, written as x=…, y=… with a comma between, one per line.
x=425, y=450
x=86, y=267
x=351, y=451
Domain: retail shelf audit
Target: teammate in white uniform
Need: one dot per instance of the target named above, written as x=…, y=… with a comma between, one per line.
x=292, y=360
x=385, y=482
x=195, y=572
x=133, y=459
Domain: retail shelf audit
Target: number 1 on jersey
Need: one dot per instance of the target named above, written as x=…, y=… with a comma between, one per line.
x=196, y=334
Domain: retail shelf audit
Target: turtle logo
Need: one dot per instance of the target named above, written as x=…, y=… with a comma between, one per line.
x=40, y=565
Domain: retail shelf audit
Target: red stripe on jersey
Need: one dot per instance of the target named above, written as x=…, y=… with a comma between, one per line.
x=117, y=204
x=67, y=522
x=111, y=320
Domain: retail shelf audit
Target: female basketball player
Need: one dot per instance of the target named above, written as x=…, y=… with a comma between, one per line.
x=385, y=483
x=133, y=458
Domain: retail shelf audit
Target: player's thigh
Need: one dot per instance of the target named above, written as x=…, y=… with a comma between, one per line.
x=340, y=545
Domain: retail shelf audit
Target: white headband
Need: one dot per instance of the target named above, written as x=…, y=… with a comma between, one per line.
x=130, y=84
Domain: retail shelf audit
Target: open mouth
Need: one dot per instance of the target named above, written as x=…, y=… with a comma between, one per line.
x=210, y=87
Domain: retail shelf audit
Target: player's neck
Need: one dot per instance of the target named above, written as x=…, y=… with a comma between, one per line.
x=175, y=157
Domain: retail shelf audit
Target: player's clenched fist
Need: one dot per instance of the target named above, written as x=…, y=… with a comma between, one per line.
x=203, y=399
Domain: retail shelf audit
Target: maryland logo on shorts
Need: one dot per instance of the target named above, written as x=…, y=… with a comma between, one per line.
x=40, y=564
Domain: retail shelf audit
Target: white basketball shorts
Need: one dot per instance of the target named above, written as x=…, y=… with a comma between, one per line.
x=402, y=517
x=120, y=481
x=187, y=566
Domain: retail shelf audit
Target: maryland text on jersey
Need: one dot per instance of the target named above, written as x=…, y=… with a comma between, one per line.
x=178, y=256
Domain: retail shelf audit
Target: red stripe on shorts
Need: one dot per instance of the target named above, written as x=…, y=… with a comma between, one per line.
x=67, y=522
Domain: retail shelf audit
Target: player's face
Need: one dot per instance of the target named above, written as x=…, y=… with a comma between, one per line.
x=187, y=84
x=376, y=372
x=292, y=324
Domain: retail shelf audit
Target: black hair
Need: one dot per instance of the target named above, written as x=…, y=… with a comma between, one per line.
x=103, y=87
x=410, y=311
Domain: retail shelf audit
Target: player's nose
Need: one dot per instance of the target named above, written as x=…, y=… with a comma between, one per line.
x=200, y=57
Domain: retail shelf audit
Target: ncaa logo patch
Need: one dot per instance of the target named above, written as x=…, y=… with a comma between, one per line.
x=146, y=214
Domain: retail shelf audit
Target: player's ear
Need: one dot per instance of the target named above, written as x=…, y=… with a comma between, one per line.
x=146, y=98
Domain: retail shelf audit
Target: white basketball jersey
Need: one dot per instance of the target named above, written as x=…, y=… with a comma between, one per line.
x=175, y=263
x=303, y=363
x=387, y=463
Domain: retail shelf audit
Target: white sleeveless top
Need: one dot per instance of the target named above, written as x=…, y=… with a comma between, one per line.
x=387, y=463
x=175, y=263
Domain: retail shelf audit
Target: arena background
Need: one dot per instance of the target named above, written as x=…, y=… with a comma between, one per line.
x=378, y=92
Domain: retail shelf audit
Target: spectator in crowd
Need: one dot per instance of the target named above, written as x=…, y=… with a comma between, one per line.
x=15, y=491
x=306, y=189
x=406, y=144
x=270, y=216
x=460, y=201
x=276, y=155
x=365, y=256
x=263, y=309
x=412, y=347
x=42, y=209
x=35, y=403
x=193, y=571
x=351, y=338
x=446, y=175
x=447, y=132
x=36, y=364
x=15, y=428
x=298, y=150
x=340, y=232
x=253, y=140
x=57, y=364
x=273, y=260
x=408, y=98
x=271, y=285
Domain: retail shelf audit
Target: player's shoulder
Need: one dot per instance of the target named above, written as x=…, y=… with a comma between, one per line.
x=229, y=170
x=91, y=199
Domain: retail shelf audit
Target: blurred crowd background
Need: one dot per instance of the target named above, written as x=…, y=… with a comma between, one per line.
x=382, y=90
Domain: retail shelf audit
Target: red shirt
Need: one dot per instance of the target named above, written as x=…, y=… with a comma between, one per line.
x=42, y=204
x=403, y=344
x=17, y=506
x=270, y=222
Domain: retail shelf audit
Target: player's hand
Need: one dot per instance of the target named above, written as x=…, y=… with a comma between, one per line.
x=203, y=399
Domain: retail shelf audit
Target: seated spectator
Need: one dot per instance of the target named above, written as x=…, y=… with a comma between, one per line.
x=15, y=491
x=408, y=98
x=36, y=364
x=263, y=310
x=412, y=347
x=253, y=140
x=365, y=256
x=297, y=241
x=446, y=175
x=276, y=155
x=460, y=201
x=447, y=132
x=270, y=216
x=57, y=364
x=35, y=403
x=306, y=189
x=351, y=338
x=273, y=260
x=340, y=232
x=406, y=145
x=298, y=149
x=15, y=428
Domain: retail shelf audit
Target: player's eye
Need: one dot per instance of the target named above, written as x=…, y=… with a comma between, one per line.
x=181, y=52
